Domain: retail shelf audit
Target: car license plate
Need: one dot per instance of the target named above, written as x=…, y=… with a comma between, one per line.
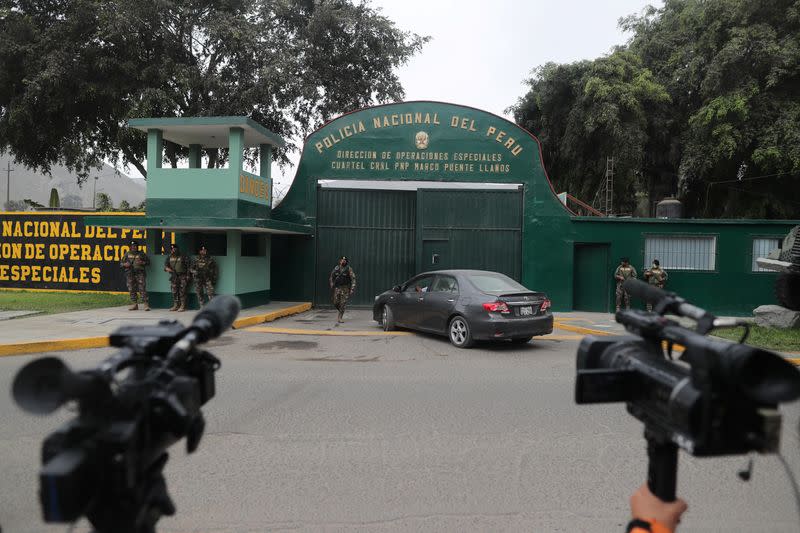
x=525, y=310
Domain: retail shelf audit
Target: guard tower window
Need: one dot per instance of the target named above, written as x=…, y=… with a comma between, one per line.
x=254, y=245
x=216, y=243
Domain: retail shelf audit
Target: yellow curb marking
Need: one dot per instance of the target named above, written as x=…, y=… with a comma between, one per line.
x=269, y=317
x=20, y=348
x=578, y=329
x=294, y=331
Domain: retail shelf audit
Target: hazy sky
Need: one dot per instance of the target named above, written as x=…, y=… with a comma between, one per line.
x=482, y=51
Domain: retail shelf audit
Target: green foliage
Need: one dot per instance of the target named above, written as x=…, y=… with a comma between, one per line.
x=53, y=198
x=702, y=101
x=58, y=302
x=587, y=111
x=103, y=202
x=124, y=206
x=770, y=338
x=75, y=70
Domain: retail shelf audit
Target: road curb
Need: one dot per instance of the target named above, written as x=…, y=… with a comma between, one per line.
x=271, y=316
x=588, y=331
x=22, y=348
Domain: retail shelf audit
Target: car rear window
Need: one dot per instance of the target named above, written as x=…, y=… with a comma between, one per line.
x=495, y=283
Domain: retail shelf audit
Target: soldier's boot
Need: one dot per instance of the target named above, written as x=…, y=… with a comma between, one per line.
x=340, y=318
x=174, y=307
x=617, y=309
x=134, y=307
x=146, y=306
x=181, y=308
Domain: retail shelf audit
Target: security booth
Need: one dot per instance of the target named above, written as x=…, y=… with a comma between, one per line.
x=226, y=209
x=410, y=187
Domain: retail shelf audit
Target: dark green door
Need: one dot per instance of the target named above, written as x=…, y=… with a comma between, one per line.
x=375, y=229
x=591, y=278
x=435, y=255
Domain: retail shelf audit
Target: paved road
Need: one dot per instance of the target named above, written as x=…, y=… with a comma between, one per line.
x=406, y=433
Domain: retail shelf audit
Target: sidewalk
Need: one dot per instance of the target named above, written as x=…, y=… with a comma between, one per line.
x=90, y=328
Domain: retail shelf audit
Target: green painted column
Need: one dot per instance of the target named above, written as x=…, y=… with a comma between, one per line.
x=195, y=159
x=155, y=148
x=265, y=160
x=236, y=149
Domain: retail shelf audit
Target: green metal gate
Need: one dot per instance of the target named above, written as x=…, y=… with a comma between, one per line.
x=480, y=229
x=390, y=235
x=375, y=229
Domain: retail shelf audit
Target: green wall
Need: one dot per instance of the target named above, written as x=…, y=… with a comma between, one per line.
x=468, y=145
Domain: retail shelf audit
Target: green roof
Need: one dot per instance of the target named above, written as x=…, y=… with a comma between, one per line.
x=209, y=132
x=254, y=225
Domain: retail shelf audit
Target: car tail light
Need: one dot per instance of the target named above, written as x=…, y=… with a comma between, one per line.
x=545, y=305
x=496, y=307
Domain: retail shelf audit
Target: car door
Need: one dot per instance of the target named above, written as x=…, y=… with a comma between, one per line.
x=439, y=303
x=409, y=309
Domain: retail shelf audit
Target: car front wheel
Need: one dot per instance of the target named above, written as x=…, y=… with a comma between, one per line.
x=459, y=332
x=387, y=318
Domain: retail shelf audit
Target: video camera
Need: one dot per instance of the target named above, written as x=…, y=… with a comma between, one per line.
x=107, y=462
x=720, y=398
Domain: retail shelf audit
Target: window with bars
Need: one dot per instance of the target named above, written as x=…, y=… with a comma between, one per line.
x=761, y=247
x=682, y=252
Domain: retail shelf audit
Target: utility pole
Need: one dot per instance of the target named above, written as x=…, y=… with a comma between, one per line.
x=94, y=191
x=9, y=170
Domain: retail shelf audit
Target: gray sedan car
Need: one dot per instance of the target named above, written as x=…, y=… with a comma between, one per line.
x=465, y=305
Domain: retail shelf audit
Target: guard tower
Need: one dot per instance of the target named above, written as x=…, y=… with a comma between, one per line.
x=226, y=209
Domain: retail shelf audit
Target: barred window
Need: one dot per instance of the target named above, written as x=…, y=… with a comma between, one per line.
x=761, y=247
x=682, y=252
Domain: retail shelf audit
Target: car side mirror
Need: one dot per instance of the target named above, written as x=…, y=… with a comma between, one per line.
x=396, y=288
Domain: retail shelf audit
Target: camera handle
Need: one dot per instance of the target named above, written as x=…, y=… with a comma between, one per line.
x=662, y=468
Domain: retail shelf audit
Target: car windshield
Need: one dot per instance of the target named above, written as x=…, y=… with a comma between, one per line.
x=488, y=282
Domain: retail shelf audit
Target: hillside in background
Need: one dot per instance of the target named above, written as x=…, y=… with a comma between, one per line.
x=35, y=186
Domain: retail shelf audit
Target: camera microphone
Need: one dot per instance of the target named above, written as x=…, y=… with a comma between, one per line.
x=214, y=319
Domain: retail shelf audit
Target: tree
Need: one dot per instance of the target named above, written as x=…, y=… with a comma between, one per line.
x=587, y=111
x=104, y=202
x=708, y=108
x=124, y=206
x=53, y=198
x=730, y=65
x=15, y=205
x=83, y=67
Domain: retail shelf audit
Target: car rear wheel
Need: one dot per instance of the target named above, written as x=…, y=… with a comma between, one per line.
x=521, y=340
x=387, y=318
x=459, y=332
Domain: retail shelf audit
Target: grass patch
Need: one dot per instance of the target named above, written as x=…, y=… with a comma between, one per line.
x=58, y=302
x=782, y=340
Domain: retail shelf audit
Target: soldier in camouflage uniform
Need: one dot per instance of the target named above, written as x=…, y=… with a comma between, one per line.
x=204, y=271
x=657, y=276
x=343, y=282
x=624, y=272
x=177, y=265
x=133, y=263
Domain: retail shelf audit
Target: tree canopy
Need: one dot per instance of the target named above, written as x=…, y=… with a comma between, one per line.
x=73, y=71
x=701, y=102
